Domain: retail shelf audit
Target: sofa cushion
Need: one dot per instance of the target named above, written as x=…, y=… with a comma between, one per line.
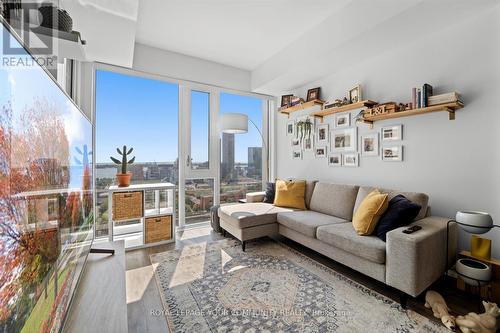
x=307, y=221
x=344, y=237
x=270, y=193
x=400, y=213
x=365, y=219
x=290, y=193
x=334, y=199
x=421, y=199
x=310, y=184
x=250, y=214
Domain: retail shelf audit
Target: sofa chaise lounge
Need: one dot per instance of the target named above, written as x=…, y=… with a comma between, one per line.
x=407, y=262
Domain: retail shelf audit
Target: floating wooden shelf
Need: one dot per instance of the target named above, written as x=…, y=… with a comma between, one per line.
x=302, y=106
x=449, y=107
x=353, y=106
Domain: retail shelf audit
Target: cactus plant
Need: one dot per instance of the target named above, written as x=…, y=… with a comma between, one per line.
x=124, y=162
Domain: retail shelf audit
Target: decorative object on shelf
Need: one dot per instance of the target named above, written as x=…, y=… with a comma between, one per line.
x=355, y=94
x=313, y=94
x=345, y=139
x=335, y=160
x=482, y=323
x=392, y=153
x=401, y=107
x=480, y=247
x=290, y=128
x=369, y=144
x=322, y=135
x=296, y=100
x=350, y=160
x=297, y=154
x=436, y=302
x=123, y=177
x=382, y=109
x=320, y=152
x=286, y=100
x=63, y=21
x=474, y=222
x=392, y=133
x=342, y=120
x=473, y=272
x=307, y=144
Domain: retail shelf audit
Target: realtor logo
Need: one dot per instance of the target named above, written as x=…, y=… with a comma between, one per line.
x=24, y=19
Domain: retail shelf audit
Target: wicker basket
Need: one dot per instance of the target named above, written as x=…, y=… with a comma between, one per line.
x=158, y=229
x=127, y=205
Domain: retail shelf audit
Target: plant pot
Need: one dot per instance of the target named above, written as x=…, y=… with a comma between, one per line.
x=123, y=179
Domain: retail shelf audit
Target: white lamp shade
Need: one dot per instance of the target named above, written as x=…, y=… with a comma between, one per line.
x=233, y=123
x=477, y=222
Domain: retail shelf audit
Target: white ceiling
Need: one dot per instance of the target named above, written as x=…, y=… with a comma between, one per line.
x=281, y=43
x=239, y=33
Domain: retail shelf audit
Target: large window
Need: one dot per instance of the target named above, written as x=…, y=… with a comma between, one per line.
x=140, y=113
x=241, y=154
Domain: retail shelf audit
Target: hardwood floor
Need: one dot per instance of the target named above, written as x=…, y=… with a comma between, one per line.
x=143, y=298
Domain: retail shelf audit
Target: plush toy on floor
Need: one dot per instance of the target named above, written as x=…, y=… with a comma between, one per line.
x=439, y=308
x=480, y=323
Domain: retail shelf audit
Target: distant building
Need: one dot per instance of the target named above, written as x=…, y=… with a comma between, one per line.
x=254, y=162
x=227, y=165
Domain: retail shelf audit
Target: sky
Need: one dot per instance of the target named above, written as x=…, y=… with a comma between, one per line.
x=143, y=113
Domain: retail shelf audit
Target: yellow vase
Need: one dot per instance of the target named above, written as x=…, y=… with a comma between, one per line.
x=481, y=247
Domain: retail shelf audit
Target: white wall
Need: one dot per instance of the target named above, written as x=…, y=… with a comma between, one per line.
x=156, y=61
x=456, y=162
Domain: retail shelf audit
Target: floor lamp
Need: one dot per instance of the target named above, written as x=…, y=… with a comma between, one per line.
x=237, y=123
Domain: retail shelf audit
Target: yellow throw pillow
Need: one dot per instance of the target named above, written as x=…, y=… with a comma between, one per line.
x=290, y=193
x=369, y=212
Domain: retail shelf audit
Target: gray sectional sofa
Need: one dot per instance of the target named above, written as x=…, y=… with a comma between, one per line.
x=407, y=262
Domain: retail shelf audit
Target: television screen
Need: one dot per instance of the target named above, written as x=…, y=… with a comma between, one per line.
x=46, y=214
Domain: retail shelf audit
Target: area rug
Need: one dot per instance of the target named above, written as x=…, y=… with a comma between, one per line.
x=215, y=287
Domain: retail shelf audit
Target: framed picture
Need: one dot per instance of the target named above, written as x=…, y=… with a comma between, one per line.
x=350, y=160
x=313, y=94
x=392, y=153
x=307, y=143
x=392, y=133
x=290, y=128
x=345, y=139
x=296, y=154
x=369, y=144
x=342, y=120
x=295, y=143
x=322, y=135
x=286, y=100
x=335, y=160
x=355, y=94
x=320, y=152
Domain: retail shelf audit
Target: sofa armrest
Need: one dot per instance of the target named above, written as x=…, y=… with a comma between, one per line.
x=415, y=261
x=256, y=196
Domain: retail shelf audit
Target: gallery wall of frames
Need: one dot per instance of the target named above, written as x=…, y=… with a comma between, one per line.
x=336, y=140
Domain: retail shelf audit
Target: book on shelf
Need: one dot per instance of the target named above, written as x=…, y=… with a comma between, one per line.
x=414, y=97
x=426, y=93
x=445, y=98
x=419, y=98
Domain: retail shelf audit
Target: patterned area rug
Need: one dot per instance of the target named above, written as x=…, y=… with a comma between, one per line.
x=215, y=287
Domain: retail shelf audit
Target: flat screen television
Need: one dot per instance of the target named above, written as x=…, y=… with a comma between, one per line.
x=46, y=195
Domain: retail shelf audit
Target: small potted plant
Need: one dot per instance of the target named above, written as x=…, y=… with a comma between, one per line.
x=123, y=177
